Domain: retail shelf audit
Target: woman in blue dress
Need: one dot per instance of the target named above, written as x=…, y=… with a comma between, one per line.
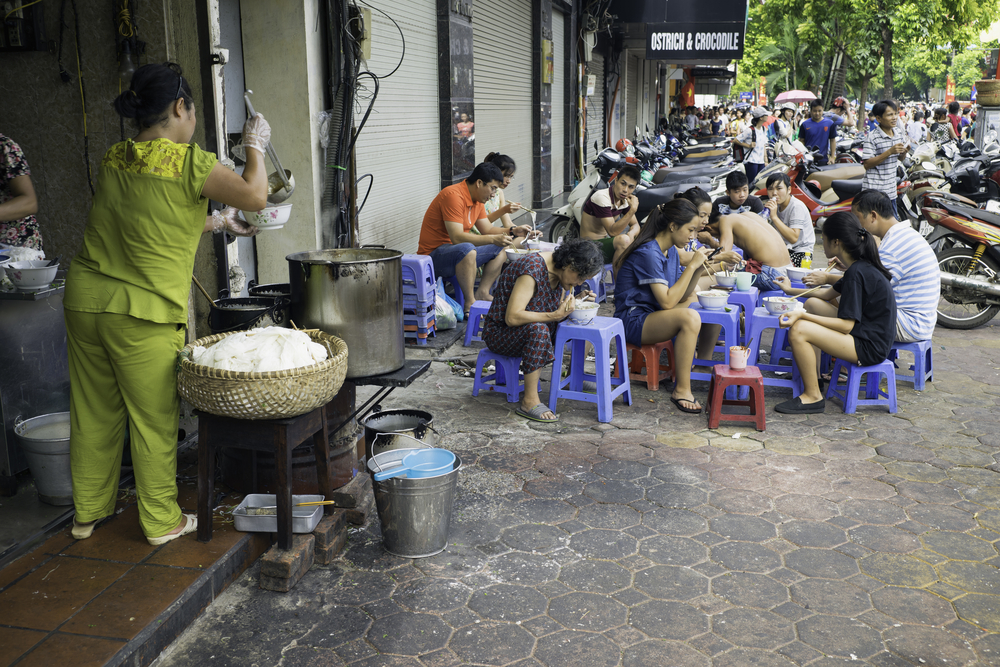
x=653, y=289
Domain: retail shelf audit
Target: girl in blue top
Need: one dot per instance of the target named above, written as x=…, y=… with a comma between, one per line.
x=656, y=282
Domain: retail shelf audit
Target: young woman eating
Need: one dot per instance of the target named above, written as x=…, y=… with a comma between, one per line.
x=654, y=288
x=860, y=329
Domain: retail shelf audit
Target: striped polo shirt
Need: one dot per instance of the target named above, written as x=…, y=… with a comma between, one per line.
x=883, y=176
x=916, y=279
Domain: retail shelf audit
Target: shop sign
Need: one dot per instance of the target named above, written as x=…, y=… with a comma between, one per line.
x=695, y=41
x=746, y=96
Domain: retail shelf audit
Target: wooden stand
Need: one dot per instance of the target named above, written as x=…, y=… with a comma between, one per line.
x=279, y=436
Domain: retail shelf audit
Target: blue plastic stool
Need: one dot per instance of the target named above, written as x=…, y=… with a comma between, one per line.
x=459, y=296
x=506, y=379
x=763, y=320
x=474, y=327
x=608, y=269
x=596, y=285
x=600, y=333
x=923, y=362
x=848, y=393
x=730, y=335
x=418, y=278
x=748, y=302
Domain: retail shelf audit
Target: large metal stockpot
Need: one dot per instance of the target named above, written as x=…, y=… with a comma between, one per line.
x=354, y=294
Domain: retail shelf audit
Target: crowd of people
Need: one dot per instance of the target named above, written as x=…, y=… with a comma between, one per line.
x=887, y=290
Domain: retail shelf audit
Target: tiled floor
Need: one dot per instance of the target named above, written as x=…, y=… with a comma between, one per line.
x=101, y=600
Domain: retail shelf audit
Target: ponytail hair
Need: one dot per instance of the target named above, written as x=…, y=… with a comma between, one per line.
x=674, y=213
x=154, y=88
x=859, y=243
x=504, y=162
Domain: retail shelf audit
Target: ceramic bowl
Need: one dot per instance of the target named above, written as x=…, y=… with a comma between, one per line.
x=723, y=280
x=778, y=305
x=534, y=244
x=270, y=217
x=584, y=313
x=31, y=276
x=713, y=300
x=516, y=253
x=796, y=275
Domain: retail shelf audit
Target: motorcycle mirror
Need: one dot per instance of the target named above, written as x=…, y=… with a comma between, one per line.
x=596, y=147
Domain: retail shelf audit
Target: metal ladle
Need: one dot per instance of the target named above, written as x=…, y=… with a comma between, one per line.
x=282, y=176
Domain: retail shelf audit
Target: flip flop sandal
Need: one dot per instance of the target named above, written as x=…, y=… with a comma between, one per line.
x=190, y=525
x=535, y=414
x=690, y=411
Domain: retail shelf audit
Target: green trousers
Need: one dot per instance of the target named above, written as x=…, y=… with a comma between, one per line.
x=122, y=371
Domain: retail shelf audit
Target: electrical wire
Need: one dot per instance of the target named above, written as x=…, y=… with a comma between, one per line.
x=357, y=132
x=401, y=38
x=65, y=76
x=16, y=9
x=371, y=182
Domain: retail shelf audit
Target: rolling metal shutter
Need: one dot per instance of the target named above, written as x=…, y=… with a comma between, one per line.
x=401, y=143
x=501, y=39
x=632, y=97
x=595, y=108
x=558, y=99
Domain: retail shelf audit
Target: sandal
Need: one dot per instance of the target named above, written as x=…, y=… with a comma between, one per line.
x=189, y=524
x=535, y=414
x=797, y=407
x=690, y=411
x=82, y=531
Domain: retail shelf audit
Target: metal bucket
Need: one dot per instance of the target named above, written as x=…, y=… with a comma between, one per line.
x=45, y=443
x=387, y=430
x=356, y=295
x=414, y=513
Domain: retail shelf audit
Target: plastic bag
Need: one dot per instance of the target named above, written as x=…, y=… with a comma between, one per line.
x=444, y=315
x=456, y=307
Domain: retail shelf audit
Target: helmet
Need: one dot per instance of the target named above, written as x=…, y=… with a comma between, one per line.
x=607, y=161
x=625, y=146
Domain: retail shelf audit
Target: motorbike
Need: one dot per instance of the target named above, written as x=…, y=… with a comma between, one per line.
x=566, y=219
x=824, y=190
x=970, y=265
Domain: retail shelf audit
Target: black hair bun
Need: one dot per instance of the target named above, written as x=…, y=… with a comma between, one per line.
x=128, y=104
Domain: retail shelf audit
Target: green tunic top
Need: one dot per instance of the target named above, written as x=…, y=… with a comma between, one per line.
x=142, y=232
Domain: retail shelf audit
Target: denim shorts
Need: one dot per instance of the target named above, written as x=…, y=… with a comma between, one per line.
x=764, y=281
x=447, y=256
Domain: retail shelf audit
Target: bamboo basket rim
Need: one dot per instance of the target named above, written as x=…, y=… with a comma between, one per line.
x=336, y=349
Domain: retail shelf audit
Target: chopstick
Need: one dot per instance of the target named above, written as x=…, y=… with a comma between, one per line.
x=810, y=291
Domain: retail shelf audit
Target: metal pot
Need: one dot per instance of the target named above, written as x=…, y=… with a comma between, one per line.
x=270, y=289
x=242, y=314
x=389, y=429
x=354, y=294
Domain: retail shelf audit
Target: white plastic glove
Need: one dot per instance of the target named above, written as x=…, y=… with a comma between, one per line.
x=256, y=133
x=226, y=220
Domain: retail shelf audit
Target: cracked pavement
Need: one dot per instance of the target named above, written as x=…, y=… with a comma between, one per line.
x=832, y=539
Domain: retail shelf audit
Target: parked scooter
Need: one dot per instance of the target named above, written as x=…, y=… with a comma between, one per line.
x=566, y=223
x=970, y=267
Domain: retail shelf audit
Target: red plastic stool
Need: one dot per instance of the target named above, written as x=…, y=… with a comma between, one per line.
x=639, y=365
x=723, y=376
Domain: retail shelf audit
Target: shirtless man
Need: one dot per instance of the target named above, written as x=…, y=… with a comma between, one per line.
x=759, y=241
x=602, y=206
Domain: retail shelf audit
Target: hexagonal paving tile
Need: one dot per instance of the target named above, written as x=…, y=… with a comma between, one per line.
x=929, y=646
x=432, y=595
x=821, y=563
x=609, y=544
x=675, y=522
x=533, y=537
x=806, y=507
x=841, y=637
x=676, y=495
x=912, y=605
x=676, y=473
x=615, y=517
x=923, y=492
x=958, y=546
x=669, y=582
x=981, y=610
x=670, y=550
x=746, y=557
x=668, y=620
x=526, y=569
x=505, y=602
x=898, y=570
x=661, y=652
x=873, y=511
x=971, y=577
x=753, y=628
x=830, y=597
x=571, y=649
x=595, y=576
x=614, y=491
x=942, y=517
x=739, y=501
x=748, y=657
x=749, y=590
x=357, y=588
x=408, y=633
x=743, y=528
x=885, y=539
x=622, y=469
x=553, y=487
x=492, y=643
x=588, y=612
x=812, y=534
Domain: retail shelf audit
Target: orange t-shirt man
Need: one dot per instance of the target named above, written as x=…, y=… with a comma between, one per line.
x=454, y=204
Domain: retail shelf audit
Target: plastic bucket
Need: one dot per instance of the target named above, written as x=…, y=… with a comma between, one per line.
x=45, y=443
x=414, y=513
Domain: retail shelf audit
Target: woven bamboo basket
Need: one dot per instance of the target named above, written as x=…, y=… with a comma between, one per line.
x=271, y=395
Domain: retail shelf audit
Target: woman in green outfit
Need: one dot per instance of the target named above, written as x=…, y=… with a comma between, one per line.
x=127, y=294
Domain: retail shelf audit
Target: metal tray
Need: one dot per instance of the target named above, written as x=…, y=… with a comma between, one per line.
x=304, y=519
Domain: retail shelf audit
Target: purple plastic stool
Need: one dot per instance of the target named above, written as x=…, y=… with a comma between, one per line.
x=748, y=302
x=506, y=367
x=600, y=333
x=730, y=335
x=848, y=393
x=596, y=285
x=923, y=362
x=474, y=327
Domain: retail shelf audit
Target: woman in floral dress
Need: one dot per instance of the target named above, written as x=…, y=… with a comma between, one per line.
x=533, y=294
x=18, y=204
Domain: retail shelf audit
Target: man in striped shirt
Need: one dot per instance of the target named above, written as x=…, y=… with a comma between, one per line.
x=883, y=146
x=916, y=279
